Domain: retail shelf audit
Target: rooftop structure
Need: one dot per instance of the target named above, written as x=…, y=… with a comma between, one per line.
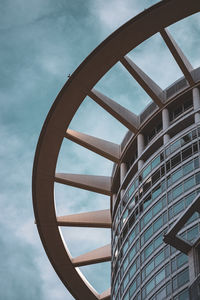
x=155, y=178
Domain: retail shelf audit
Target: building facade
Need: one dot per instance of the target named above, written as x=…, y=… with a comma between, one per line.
x=160, y=177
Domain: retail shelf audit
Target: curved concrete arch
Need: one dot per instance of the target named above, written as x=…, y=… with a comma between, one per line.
x=65, y=106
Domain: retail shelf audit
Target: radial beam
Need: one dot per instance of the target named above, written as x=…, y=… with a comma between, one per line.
x=105, y=295
x=98, y=255
x=104, y=148
x=99, y=219
x=97, y=184
x=178, y=55
x=123, y=115
x=150, y=87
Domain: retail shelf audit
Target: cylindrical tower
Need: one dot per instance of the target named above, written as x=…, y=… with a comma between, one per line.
x=143, y=265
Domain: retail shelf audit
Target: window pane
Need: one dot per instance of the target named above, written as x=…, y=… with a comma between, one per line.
x=159, y=258
x=156, y=192
x=182, y=278
x=146, y=171
x=133, y=270
x=147, y=217
x=155, y=162
x=181, y=260
x=132, y=288
x=177, y=175
x=160, y=276
x=189, y=183
x=148, y=233
x=175, y=145
x=158, y=224
x=131, y=190
x=177, y=191
x=158, y=241
x=149, y=268
x=188, y=168
x=178, y=207
x=150, y=286
x=157, y=207
x=148, y=250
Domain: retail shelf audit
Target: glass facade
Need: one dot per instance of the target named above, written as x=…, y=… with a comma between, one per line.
x=143, y=266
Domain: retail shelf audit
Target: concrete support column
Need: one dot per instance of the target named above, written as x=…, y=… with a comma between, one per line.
x=123, y=171
x=140, y=149
x=193, y=260
x=113, y=201
x=165, y=121
x=196, y=103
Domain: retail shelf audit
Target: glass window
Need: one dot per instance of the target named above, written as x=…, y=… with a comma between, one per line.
x=177, y=191
x=158, y=241
x=148, y=250
x=157, y=207
x=150, y=286
x=188, y=168
x=158, y=224
x=147, y=170
x=155, y=162
x=160, y=276
x=189, y=183
x=149, y=268
x=133, y=270
x=148, y=233
x=131, y=190
x=197, y=178
x=126, y=280
x=132, y=288
x=147, y=201
x=175, y=160
x=125, y=247
x=189, y=199
x=182, y=278
x=159, y=258
x=179, y=207
x=192, y=233
x=187, y=152
x=177, y=175
x=156, y=192
x=147, y=217
x=132, y=253
x=181, y=260
x=175, y=145
x=186, y=138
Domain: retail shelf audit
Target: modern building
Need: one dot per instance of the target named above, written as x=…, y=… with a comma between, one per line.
x=155, y=183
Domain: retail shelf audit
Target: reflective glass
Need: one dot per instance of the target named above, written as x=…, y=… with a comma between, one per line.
x=177, y=191
x=156, y=192
x=147, y=217
x=155, y=162
x=157, y=207
x=178, y=207
x=133, y=270
x=150, y=286
x=148, y=233
x=189, y=183
x=181, y=260
x=160, y=276
x=188, y=168
x=148, y=250
x=159, y=258
x=146, y=171
x=149, y=268
x=177, y=175
x=158, y=224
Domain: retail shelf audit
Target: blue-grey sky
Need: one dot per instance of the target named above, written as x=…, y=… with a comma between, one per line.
x=41, y=42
